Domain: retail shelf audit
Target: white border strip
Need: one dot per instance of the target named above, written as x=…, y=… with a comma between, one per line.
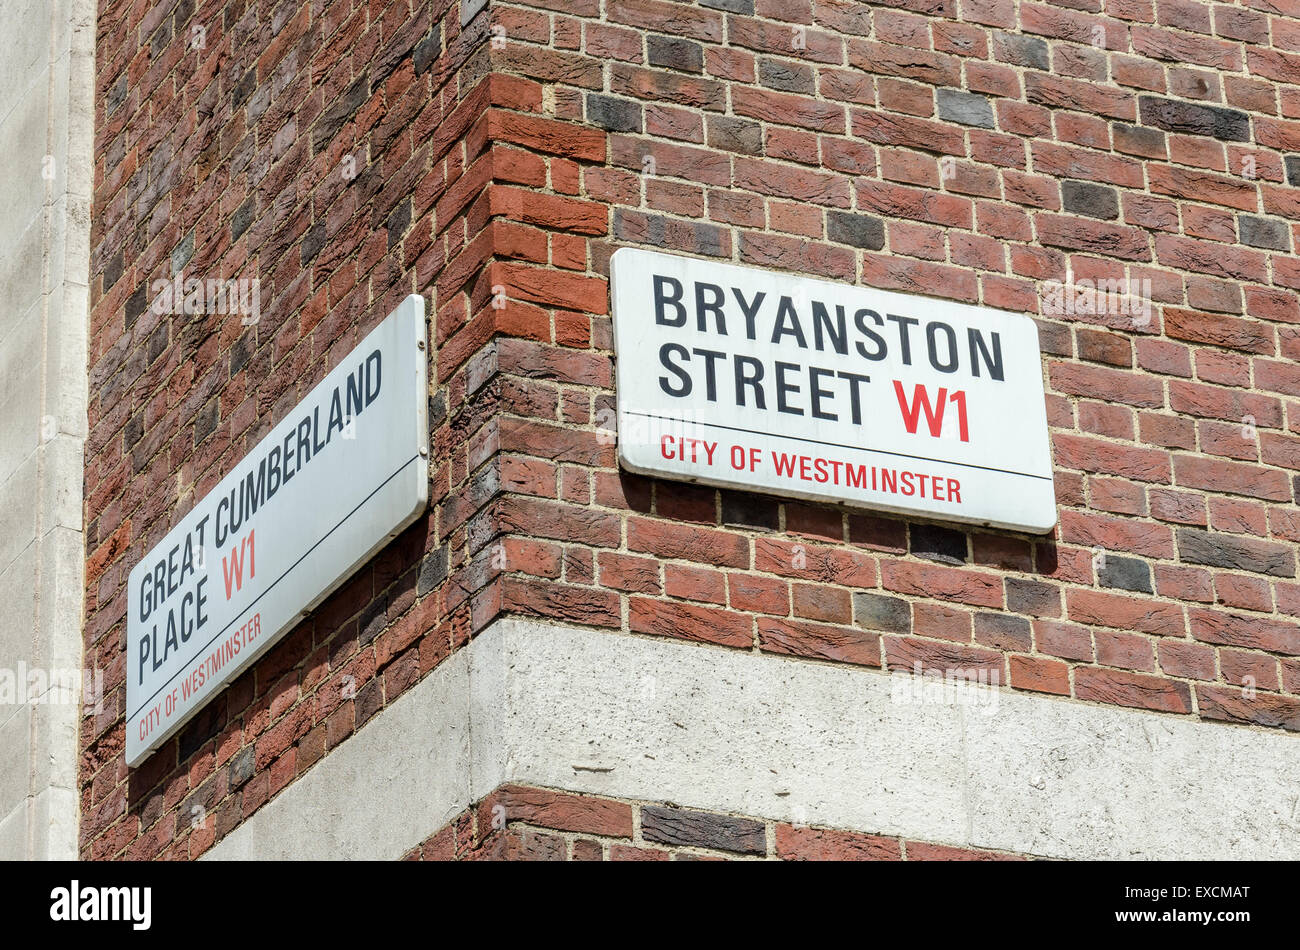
x=784, y=739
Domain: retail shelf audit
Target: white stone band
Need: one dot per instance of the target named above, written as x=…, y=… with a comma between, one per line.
x=785, y=739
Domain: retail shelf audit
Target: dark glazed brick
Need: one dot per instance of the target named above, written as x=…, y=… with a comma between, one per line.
x=1293, y=169
x=183, y=252
x=1032, y=597
x=241, y=219
x=241, y=351
x=337, y=115
x=857, y=230
x=371, y=623
x=312, y=242
x=679, y=826
x=244, y=88
x=433, y=571
x=1269, y=233
x=136, y=304
x=241, y=766
x=1190, y=118
x=1004, y=632
x=613, y=115
x=787, y=77
x=113, y=270
x=161, y=37
x=134, y=430
x=202, y=727
x=735, y=135
x=1221, y=550
x=1020, y=50
x=117, y=94
x=938, y=544
x=370, y=699
x=427, y=50
x=750, y=511
x=966, y=108
x=398, y=222
x=731, y=6
x=206, y=422
x=1095, y=201
x=878, y=612
x=671, y=52
x=1124, y=573
x=874, y=532
x=689, y=236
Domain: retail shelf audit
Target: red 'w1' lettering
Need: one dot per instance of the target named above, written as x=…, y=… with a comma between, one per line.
x=232, y=565
x=933, y=412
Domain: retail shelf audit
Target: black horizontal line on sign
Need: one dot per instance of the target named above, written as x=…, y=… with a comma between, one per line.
x=835, y=445
x=243, y=613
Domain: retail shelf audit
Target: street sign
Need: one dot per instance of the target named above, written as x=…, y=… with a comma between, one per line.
x=341, y=475
x=751, y=379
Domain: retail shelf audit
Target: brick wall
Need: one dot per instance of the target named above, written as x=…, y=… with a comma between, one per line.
x=337, y=152
x=978, y=151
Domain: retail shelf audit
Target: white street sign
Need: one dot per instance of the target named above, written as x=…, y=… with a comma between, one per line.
x=341, y=475
x=751, y=379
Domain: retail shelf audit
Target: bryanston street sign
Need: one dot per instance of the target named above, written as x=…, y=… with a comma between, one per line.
x=343, y=473
x=750, y=379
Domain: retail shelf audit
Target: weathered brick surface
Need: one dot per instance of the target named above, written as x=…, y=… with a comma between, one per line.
x=336, y=153
x=975, y=152
x=1047, y=144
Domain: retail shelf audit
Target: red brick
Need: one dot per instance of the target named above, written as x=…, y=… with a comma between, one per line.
x=1231, y=705
x=1131, y=689
x=908, y=654
x=1125, y=650
x=561, y=602
x=941, y=621
x=824, y=844
x=559, y=810
x=1249, y=670
x=817, y=602
x=668, y=540
x=546, y=135
x=1186, y=659
x=921, y=851
x=1116, y=534
x=1125, y=612
x=1235, y=477
x=628, y=573
x=695, y=583
x=965, y=586
x=1094, y=455
x=759, y=594
x=1257, y=633
x=1040, y=675
x=688, y=622
x=1126, y=387
x=820, y=641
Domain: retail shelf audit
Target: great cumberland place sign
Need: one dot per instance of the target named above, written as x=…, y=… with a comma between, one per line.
x=342, y=474
x=749, y=379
